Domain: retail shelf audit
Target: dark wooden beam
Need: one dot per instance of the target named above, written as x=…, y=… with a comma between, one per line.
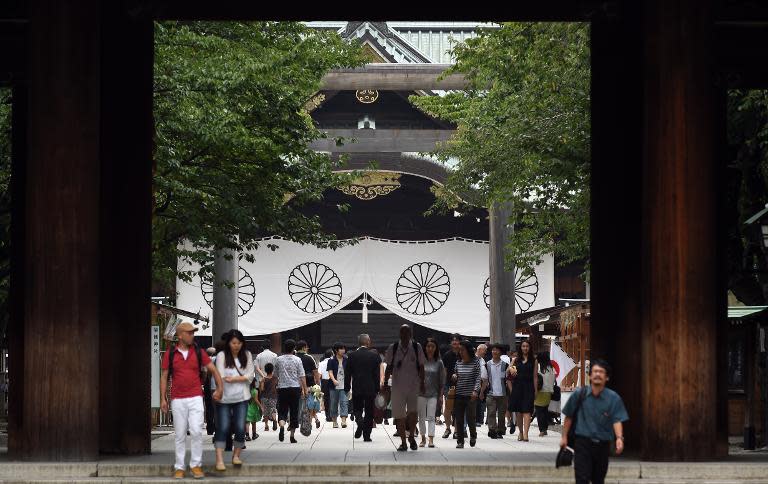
x=679, y=243
x=615, y=214
x=382, y=140
x=545, y=10
x=394, y=77
x=125, y=222
x=60, y=418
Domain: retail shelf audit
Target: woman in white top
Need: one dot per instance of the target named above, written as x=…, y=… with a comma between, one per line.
x=235, y=364
x=544, y=395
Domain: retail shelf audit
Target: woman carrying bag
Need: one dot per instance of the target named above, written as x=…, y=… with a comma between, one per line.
x=235, y=364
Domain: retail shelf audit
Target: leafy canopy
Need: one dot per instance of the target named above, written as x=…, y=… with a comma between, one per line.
x=523, y=135
x=232, y=131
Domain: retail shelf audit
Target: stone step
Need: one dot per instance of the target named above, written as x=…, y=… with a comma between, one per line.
x=467, y=472
x=363, y=480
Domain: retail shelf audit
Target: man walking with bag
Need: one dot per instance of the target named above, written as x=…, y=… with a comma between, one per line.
x=405, y=363
x=598, y=413
x=498, y=386
x=184, y=362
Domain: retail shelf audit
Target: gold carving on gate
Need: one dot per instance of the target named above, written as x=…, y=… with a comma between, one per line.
x=372, y=185
x=367, y=96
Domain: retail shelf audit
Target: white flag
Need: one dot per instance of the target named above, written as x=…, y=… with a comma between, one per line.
x=562, y=363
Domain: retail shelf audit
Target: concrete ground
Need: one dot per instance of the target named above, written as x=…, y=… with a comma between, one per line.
x=329, y=445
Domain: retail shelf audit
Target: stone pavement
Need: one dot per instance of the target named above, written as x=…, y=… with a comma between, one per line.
x=329, y=445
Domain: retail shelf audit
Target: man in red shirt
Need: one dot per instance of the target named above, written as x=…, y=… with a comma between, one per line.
x=187, y=396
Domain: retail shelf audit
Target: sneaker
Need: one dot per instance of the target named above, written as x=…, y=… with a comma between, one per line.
x=460, y=445
x=335, y=425
x=247, y=438
x=178, y=474
x=197, y=472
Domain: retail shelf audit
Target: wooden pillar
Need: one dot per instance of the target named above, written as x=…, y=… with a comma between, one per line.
x=276, y=342
x=615, y=206
x=59, y=407
x=126, y=211
x=679, y=337
x=16, y=292
x=501, y=281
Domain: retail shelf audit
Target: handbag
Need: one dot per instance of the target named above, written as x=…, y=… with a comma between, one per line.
x=305, y=422
x=556, y=393
x=449, y=401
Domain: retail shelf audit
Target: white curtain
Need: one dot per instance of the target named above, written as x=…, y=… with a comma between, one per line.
x=439, y=284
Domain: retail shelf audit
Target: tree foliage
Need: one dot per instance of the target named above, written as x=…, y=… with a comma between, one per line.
x=523, y=134
x=746, y=189
x=232, y=131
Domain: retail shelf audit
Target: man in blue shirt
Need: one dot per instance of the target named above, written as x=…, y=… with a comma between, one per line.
x=599, y=421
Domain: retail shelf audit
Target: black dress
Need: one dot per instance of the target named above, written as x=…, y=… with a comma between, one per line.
x=522, y=396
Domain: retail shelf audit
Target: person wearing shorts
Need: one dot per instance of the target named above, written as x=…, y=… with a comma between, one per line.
x=405, y=363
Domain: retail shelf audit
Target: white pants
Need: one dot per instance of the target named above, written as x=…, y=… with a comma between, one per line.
x=188, y=415
x=427, y=407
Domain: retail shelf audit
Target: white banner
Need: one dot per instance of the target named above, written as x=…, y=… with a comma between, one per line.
x=441, y=284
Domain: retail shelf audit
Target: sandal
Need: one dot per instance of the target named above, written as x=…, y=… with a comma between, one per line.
x=447, y=433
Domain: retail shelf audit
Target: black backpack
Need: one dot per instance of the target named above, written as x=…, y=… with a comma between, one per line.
x=198, y=353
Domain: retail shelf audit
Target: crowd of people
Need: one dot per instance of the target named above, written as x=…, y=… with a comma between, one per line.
x=411, y=383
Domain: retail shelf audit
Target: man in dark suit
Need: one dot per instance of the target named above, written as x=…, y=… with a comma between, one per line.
x=362, y=377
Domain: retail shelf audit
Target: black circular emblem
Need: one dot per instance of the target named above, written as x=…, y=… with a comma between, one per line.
x=423, y=288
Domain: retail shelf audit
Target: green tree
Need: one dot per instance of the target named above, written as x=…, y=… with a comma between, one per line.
x=523, y=134
x=232, y=134
x=746, y=189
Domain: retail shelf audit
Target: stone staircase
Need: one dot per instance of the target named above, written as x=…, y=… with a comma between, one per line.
x=366, y=473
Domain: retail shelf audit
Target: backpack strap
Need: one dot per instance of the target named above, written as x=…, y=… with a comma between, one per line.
x=416, y=354
x=394, y=352
x=170, y=360
x=199, y=354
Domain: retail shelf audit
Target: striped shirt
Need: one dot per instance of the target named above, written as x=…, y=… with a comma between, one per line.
x=468, y=377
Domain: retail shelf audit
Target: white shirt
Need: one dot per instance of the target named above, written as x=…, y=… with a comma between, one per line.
x=505, y=359
x=289, y=371
x=340, y=378
x=483, y=370
x=548, y=382
x=496, y=377
x=266, y=356
x=238, y=391
x=323, y=369
x=213, y=380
